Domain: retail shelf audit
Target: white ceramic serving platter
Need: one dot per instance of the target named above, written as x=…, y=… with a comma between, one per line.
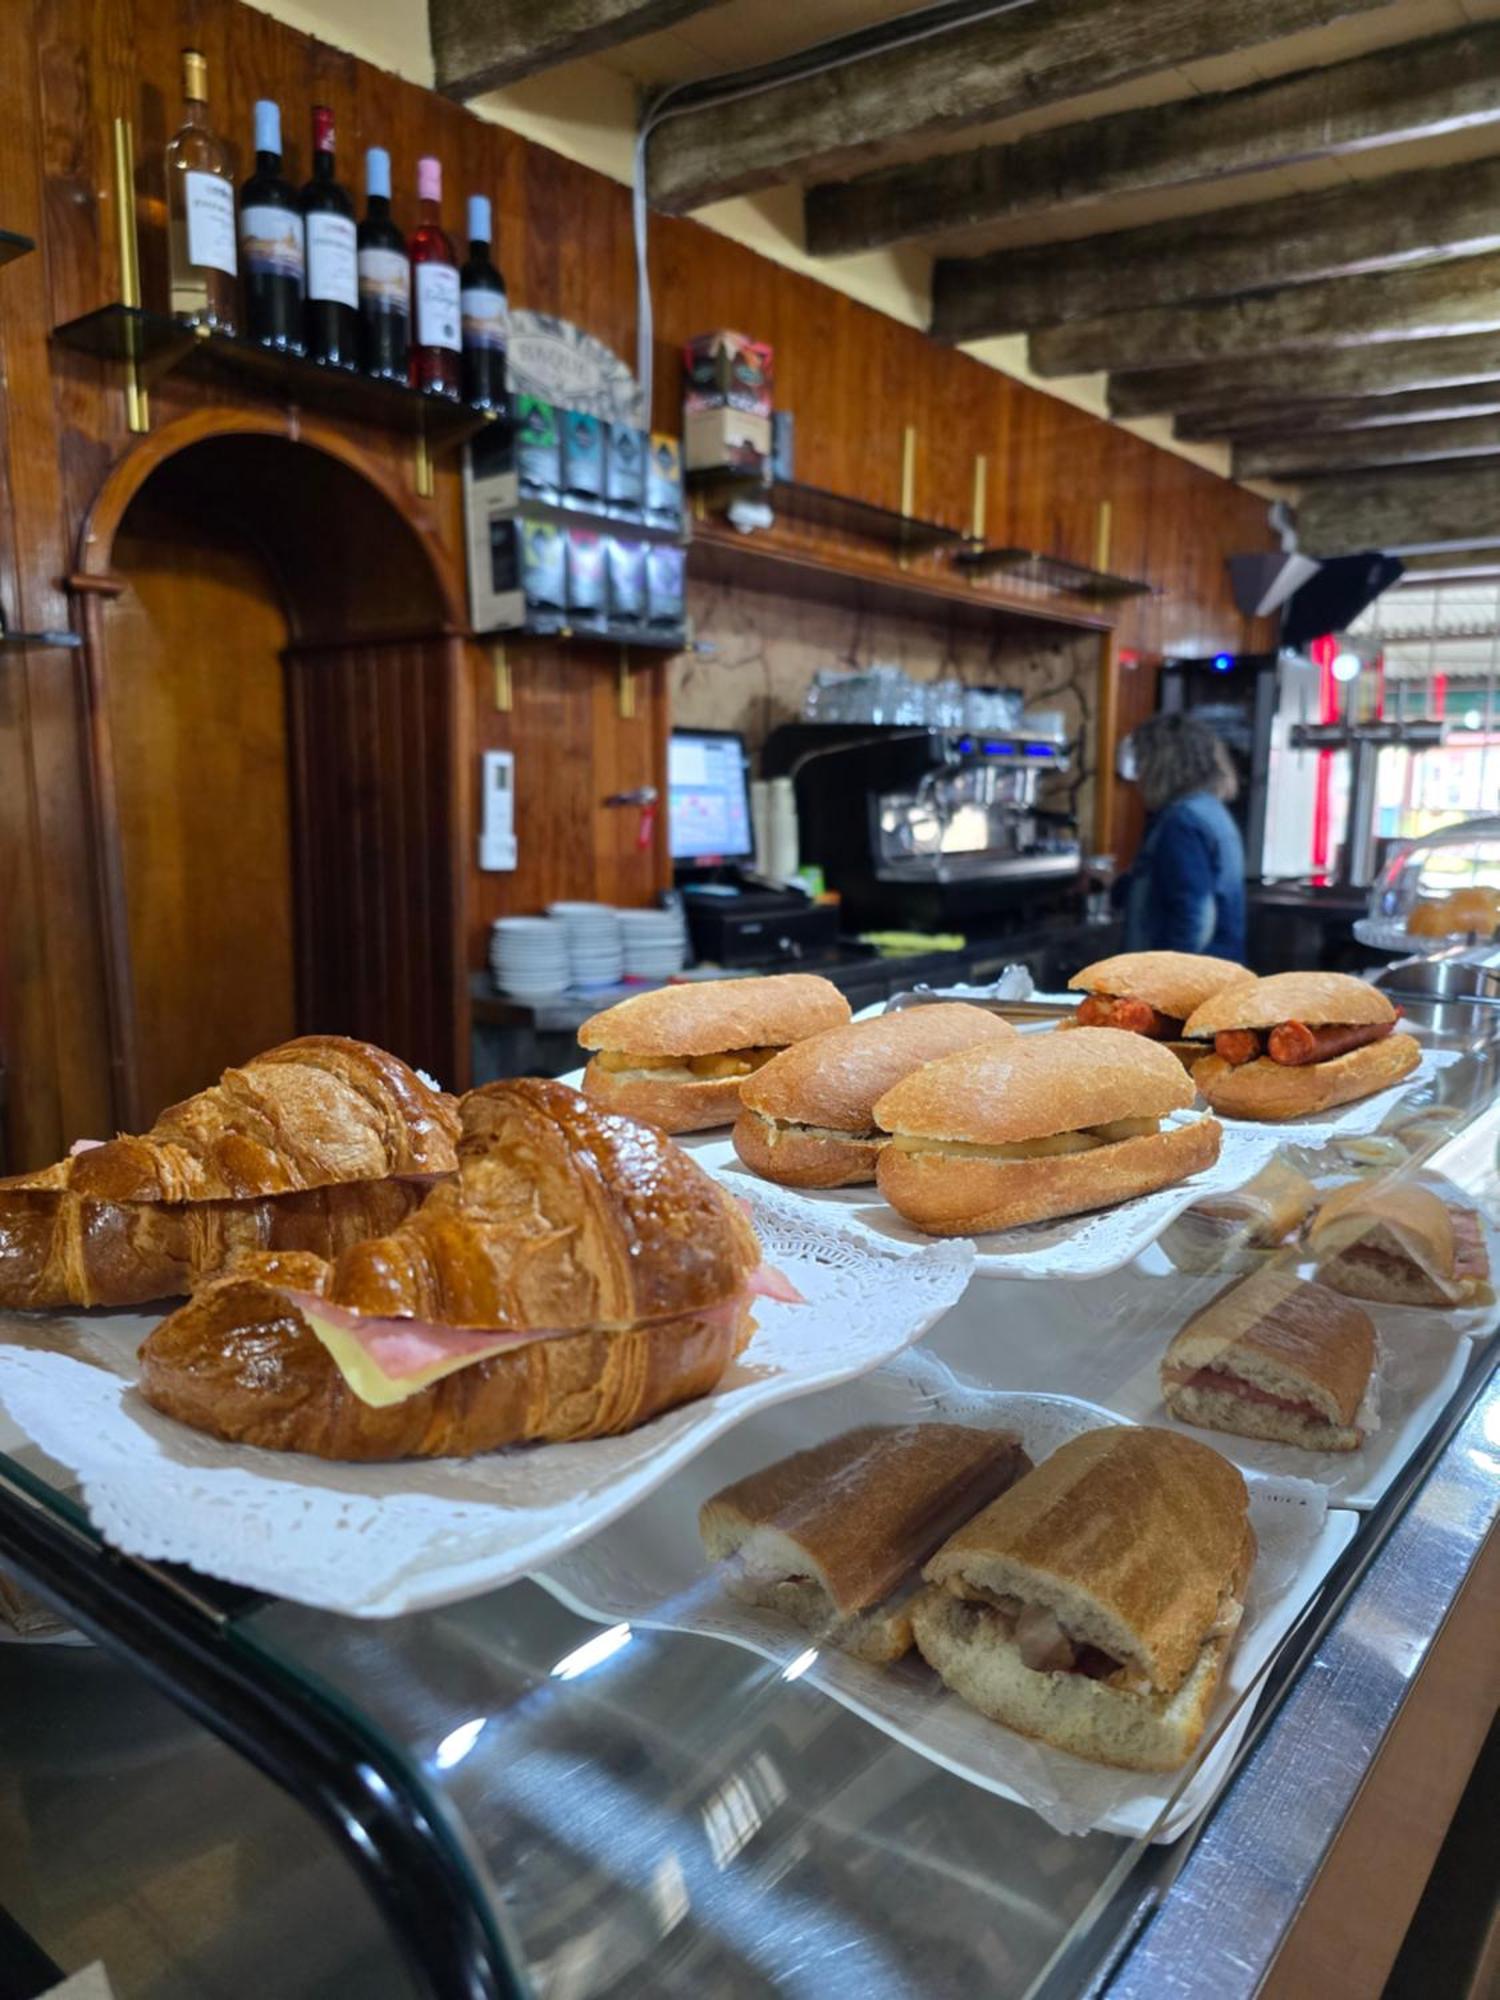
x=649, y=1569
x=378, y=1540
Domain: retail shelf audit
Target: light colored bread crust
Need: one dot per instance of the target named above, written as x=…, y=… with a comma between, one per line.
x=1129, y=1534
x=948, y=1196
x=1285, y=1336
x=803, y=1159
x=966, y=1645
x=878, y=1636
x=1271, y=1091
x=706, y=1018
x=1411, y=1218
x=1270, y=1205
x=1216, y=1410
x=1319, y=999
x=861, y=1512
x=671, y=1107
x=1034, y=1086
x=1173, y=982
x=834, y=1079
x=1187, y=1053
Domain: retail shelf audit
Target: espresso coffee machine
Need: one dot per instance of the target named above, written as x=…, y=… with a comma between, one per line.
x=927, y=828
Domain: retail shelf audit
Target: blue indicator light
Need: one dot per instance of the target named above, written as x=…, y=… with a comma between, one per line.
x=1223, y=662
x=1040, y=750
x=965, y=745
x=995, y=748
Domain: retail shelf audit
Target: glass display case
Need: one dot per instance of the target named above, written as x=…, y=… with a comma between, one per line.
x=1437, y=890
x=504, y=1795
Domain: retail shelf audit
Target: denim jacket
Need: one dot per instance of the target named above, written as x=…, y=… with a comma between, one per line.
x=1186, y=890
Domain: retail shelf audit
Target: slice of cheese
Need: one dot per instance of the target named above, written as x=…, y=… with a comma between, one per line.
x=387, y=1361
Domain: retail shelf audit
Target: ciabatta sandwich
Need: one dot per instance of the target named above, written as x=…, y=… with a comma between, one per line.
x=1402, y=1244
x=1296, y=1043
x=834, y=1538
x=1240, y=1228
x=1152, y=993
x=1094, y=1605
x=677, y=1057
x=1039, y=1126
x=807, y=1118
x=1276, y=1358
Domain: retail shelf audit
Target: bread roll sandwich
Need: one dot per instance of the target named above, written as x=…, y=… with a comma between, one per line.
x=1152, y=993
x=1041, y=1126
x=577, y=1276
x=1094, y=1605
x=1296, y=1043
x=1273, y=1357
x=677, y=1057
x=1472, y=911
x=1238, y=1229
x=807, y=1118
x=1402, y=1244
x=834, y=1538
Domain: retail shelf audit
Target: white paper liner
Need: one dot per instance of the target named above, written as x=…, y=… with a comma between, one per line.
x=378, y=1540
x=649, y=1569
x=1075, y=1246
x=1364, y=1115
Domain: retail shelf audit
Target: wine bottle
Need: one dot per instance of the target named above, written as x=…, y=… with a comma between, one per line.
x=384, y=279
x=330, y=317
x=434, y=272
x=200, y=211
x=485, y=314
x=271, y=242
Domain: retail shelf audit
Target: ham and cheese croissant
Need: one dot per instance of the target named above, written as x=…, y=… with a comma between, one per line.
x=578, y=1276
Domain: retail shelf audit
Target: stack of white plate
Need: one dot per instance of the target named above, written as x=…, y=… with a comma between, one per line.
x=595, y=952
x=655, y=943
x=529, y=957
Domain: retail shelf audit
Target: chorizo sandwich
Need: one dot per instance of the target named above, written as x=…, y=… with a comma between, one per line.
x=1274, y=1357
x=1152, y=993
x=1296, y=1043
x=577, y=1276
x=834, y=1538
x=677, y=1057
x=1094, y=1605
x=1040, y=1126
x=1400, y=1243
x=807, y=1117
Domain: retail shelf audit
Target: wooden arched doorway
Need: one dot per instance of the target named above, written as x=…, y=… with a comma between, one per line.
x=274, y=656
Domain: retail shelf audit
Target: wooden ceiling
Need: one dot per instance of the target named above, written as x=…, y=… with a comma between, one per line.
x=1275, y=221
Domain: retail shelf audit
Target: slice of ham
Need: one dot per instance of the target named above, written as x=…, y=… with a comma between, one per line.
x=1136, y=1017
x=1248, y=1392
x=766, y=1282
x=1045, y=1647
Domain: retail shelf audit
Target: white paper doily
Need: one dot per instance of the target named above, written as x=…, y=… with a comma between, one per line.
x=1349, y=1120
x=378, y=1540
x=649, y=1569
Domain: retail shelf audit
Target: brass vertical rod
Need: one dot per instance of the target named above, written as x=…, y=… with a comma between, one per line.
x=908, y=468
x=981, y=497
x=626, y=687
x=505, y=696
x=1105, y=535
x=422, y=467
x=137, y=409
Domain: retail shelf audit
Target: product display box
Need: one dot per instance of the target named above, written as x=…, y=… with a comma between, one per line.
x=727, y=371
x=726, y=441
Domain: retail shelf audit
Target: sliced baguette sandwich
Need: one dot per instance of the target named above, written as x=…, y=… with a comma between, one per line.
x=1402, y=1244
x=1040, y=1126
x=677, y=1057
x=1274, y=1357
x=1152, y=993
x=1296, y=1043
x=834, y=1538
x=1093, y=1606
x=807, y=1118
x=1239, y=1229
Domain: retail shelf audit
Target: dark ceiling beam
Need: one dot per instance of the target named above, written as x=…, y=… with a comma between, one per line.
x=1375, y=225
x=1246, y=422
x=1416, y=91
x=1401, y=512
x=1304, y=453
x=1457, y=295
x=1384, y=369
x=1018, y=60
x=477, y=45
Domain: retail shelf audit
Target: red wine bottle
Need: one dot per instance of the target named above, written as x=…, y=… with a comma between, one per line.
x=434, y=272
x=384, y=279
x=486, y=314
x=331, y=314
x=271, y=242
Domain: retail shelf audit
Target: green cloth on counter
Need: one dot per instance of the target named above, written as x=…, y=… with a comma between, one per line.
x=911, y=944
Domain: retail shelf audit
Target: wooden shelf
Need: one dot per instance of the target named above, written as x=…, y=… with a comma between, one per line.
x=1050, y=573
x=815, y=507
x=13, y=245
x=161, y=345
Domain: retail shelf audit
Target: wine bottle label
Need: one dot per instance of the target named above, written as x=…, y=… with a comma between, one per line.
x=385, y=282
x=271, y=242
x=332, y=263
x=210, y=222
x=438, y=315
x=486, y=318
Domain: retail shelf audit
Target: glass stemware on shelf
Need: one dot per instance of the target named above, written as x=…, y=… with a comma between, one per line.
x=885, y=695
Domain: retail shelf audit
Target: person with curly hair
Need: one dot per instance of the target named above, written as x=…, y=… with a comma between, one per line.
x=1185, y=890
